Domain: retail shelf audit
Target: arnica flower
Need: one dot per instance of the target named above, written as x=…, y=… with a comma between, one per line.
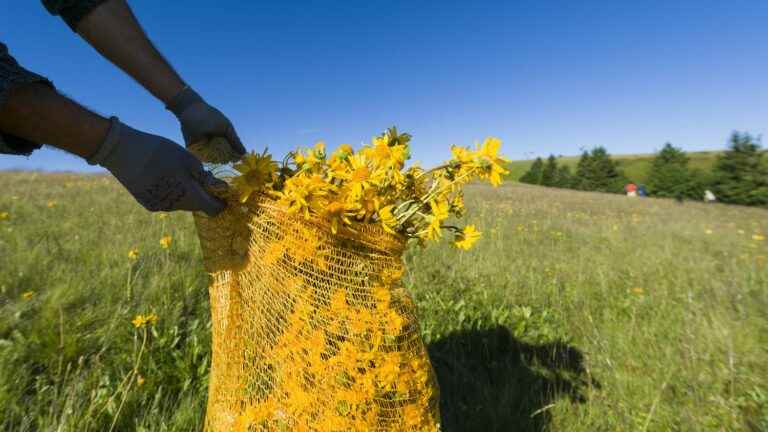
x=133, y=254
x=490, y=162
x=467, y=238
x=257, y=172
x=4, y=216
x=165, y=242
x=28, y=295
x=388, y=220
x=140, y=321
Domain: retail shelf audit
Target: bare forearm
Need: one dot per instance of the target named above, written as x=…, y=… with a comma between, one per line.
x=38, y=113
x=113, y=31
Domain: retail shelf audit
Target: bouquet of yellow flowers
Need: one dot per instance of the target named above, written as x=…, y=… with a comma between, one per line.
x=371, y=185
x=312, y=327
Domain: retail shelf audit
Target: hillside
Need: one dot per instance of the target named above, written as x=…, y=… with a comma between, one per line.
x=577, y=311
x=635, y=166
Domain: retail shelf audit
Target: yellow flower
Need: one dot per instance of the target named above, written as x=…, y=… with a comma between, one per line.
x=389, y=370
x=274, y=252
x=413, y=415
x=28, y=295
x=257, y=172
x=143, y=320
x=51, y=204
x=758, y=237
x=468, y=236
x=440, y=209
x=133, y=254
x=165, y=242
x=388, y=220
x=344, y=150
x=162, y=215
x=140, y=380
x=490, y=162
x=461, y=154
x=4, y=215
x=638, y=290
x=394, y=323
x=335, y=212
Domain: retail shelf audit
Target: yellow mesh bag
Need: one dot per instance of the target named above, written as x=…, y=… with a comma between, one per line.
x=311, y=330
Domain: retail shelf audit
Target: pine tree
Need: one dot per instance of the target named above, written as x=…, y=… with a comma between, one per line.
x=584, y=172
x=596, y=171
x=740, y=175
x=549, y=171
x=670, y=177
x=534, y=173
x=563, y=177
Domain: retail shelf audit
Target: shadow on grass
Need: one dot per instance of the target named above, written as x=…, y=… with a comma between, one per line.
x=490, y=381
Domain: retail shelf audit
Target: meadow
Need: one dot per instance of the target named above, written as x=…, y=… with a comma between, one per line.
x=576, y=311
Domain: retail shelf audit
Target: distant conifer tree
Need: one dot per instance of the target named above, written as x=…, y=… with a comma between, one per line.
x=563, y=177
x=670, y=177
x=596, y=171
x=549, y=172
x=534, y=173
x=740, y=175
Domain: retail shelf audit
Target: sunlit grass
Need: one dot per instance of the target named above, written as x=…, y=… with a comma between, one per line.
x=575, y=312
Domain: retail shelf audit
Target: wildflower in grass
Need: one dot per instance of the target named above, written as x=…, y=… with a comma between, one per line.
x=758, y=237
x=140, y=380
x=638, y=291
x=708, y=231
x=165, y=242
x=162, y=215
x=28, y=295
x=133, y=254
x=467, y=237
x=4, y=216
x=51, y=204
x=140, y=321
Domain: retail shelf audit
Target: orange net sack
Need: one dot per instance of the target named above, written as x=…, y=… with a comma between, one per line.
x=311, y=330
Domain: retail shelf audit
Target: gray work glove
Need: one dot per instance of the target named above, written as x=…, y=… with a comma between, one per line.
x=159, y=173
x=201, y=122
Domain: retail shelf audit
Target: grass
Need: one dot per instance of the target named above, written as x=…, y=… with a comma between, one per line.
x=635, y=167
x=576, y=312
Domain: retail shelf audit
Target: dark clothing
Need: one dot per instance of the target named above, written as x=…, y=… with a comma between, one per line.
x=13, y=75
x=71, y=11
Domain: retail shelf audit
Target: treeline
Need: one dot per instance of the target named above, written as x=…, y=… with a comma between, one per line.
x=739, y=175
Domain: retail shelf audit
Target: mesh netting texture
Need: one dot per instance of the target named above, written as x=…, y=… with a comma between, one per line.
x=312, y=331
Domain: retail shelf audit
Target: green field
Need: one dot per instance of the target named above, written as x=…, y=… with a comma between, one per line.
x=635, y=167
x=576, y=312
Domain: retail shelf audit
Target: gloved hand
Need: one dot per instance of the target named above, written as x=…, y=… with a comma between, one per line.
x=201, y=122
x=160, y=174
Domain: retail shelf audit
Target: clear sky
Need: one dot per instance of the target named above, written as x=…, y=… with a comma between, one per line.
x=545, y=76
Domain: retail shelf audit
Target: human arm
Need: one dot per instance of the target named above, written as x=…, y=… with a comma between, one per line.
x=160, y=174
x=112, y=29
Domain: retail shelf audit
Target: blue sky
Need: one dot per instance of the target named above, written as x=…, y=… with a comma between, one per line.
x=545, y=76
